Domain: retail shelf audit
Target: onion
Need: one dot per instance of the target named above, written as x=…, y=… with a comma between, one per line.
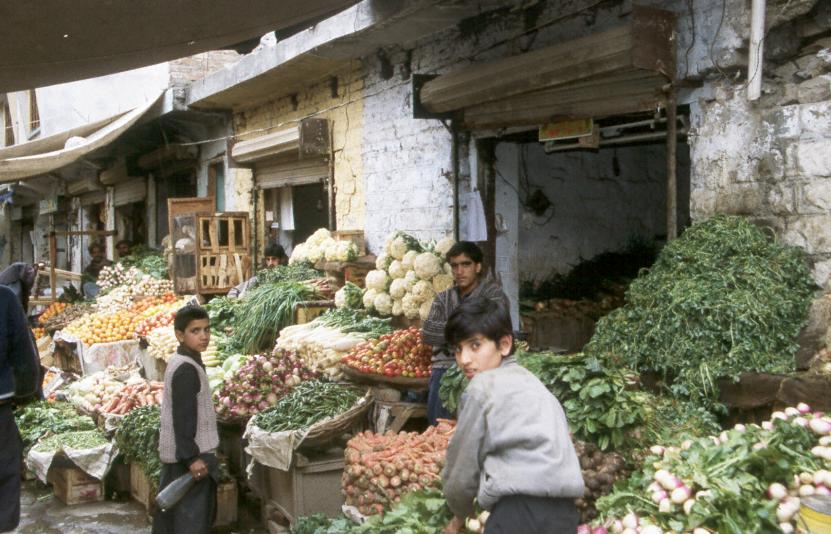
x=777, y=491
x=680, y=494
x=820, y=426
x=803, y=408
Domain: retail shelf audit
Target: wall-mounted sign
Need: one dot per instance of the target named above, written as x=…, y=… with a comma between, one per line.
x=572, y=129
x=48, y=205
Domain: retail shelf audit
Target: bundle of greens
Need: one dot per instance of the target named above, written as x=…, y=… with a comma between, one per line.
x=138, y=440
x=264, y=311
x=720, y=300
x=297, y=272
x=77, y=439
x=453, y=384
x=221, y=312
x=147, y=260
x=43, y=418
x=355, y=321
x=308, y=403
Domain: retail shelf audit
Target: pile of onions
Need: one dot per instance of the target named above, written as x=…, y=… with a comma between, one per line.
x=259, y=383
x=600, y=472
x=382, y=467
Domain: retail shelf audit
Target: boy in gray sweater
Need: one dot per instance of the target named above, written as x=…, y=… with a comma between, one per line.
x=511, y=450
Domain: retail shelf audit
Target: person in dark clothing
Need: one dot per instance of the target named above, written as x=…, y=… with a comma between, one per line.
x=274, y=255
x=19, y=383
x=465, y=258
x=20, y=278
x=188, y=437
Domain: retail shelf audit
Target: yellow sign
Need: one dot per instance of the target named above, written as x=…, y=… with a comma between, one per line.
x=572, y=129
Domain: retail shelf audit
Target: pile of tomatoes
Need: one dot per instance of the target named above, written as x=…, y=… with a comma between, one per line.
x=401, y=353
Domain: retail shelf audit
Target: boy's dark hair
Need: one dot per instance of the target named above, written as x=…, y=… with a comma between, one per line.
x=93, y=246
x=479, y=316
x=469, y=248
x=187, y=315
x=275, y=251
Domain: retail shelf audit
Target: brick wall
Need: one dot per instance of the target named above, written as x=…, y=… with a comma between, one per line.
x=186, y=70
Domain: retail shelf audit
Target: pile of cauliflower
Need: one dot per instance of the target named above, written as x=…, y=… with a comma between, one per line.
x=407, y=277
x=322, y=246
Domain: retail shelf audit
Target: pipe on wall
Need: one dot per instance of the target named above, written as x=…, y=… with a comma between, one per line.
x=757, y=43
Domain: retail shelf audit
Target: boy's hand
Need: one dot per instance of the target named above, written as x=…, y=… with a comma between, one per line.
x=198, y=469
x=455, y=526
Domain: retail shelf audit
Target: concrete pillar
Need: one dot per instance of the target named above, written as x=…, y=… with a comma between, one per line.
x=507, y=223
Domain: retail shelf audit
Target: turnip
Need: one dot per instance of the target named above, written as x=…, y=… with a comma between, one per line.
x=659, y=496
x=767, y=425
x=665, y=506
x=825, y=441
x=630, y=520
x=822, y=490
x=617, y=526
x=680, y=494
x=656, y=450
x=483, y=517
x=474, y=526
x=700, y=530
x=806, y=478
x=688, y=506
x=629, y=531
x=806, y=490
x=778, y=415
x=599, y=530
x=759, y=446
x=784, y=513
x=777, y=491
x=803, y=408
x=800, y=421
x=822, y=477
x=651, y=529
x=787, y=528
x=662, y=476
x=739, y=428
x=820, y=426
x=790, y=411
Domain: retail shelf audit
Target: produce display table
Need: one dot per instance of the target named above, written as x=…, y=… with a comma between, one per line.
x=398, y=382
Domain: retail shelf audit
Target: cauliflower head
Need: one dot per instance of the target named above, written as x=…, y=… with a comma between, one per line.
x=443, y=246
x=397, y=307
x=299, y=254
x=410, y=306
x=408, y=260
x=442, y=282
x=369, y=298
x=377, y=280
x=424, y=310
x=396, y=269
x=398, y=288
x=383, y=303
x=398, y=248
x=319, y=237
x=383, y=262
x=423, y=290
x=411, y=278
x=427, y=265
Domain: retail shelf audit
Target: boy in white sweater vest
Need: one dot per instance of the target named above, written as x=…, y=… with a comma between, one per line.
x=188, y=437
x=511, y=450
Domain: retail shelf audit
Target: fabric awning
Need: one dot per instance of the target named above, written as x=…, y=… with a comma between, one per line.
x=54, y=41
x=52, y=153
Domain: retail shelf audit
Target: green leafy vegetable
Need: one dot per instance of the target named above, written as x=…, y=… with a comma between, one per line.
x=720, y=300
x=138, y=440
x=81, y=439
x=357, y=321
x=296, y=272
x=307, y=404
x=265, y=310
x=147, y=260
x=43, y=418
x=453, y=384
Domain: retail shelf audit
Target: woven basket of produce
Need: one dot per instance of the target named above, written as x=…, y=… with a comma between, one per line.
x=327, y=430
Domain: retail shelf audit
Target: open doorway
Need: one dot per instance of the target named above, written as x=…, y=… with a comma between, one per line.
x=574, y=225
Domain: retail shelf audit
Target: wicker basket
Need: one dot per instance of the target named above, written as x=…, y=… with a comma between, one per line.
x=398, y=382
x=324, y=432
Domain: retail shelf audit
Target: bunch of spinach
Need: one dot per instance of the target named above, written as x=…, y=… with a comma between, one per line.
x=722, y=299
x=348, y=321
x=308, y=403
x=138, y=440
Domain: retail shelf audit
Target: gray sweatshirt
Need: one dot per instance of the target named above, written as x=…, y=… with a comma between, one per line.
x=511, y=439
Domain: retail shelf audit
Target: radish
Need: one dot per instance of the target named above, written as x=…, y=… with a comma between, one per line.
x=475, y=526
x=688, y=506
x=790, y=411
x=820, y=426
x=803, y=408
x=700, y=530
x=825, y=441
x=787, y=528
x=657, y=450
x=822, y=490
x=581, y=529
x=680, y=494
x=806, y=478
x=800, y=421
x=739, y=428
x=651, y=529
x=777, y=491
x=784, y=513
x=665, y=506
x=778, y=415
x=630, y=520
x=822, y=477
x=767, y=425
x=806, y=490
x=659, y=496
x=599, y=530
x=617, y=526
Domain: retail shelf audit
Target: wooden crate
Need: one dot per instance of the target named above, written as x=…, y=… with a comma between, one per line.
x=356, y=236
x=356, y=273
x=66, y=358
x=141, y=490
x=392, y=416
x=73, y=486
x=311, y=485
x=226, y=504
x=223, y=251
x=307, y=312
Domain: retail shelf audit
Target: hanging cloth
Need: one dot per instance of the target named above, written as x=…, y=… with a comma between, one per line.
x=286, y=209
x=477, y=226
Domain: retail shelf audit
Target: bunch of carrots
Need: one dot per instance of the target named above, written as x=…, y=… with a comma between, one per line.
x=134, y=395
x=380, y=468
